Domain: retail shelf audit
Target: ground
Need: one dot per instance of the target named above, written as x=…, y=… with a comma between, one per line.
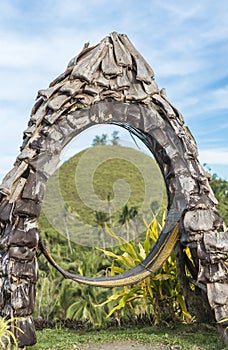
x=125, y=345
x=179, y=337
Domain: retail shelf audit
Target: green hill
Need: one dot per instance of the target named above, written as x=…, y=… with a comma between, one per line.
x=96, y=186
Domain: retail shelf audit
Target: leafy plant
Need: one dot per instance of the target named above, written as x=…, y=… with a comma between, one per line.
x=6, y=334
x=85, y=306
x=86, y=298
x=159, y=295
x=48, y=294
x=58, y=298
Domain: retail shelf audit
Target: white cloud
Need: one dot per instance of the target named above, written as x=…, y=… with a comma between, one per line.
x=187, y=103
x=214, y=156
x=212, y=101
x=70, y=8
x=178, y=67
x=219, y=98
x=27, y=52
x=181, y=11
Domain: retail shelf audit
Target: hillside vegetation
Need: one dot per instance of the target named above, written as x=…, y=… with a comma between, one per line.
x=96, y=186
x=220, y=188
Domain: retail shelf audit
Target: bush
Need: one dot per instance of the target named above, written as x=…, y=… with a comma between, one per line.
x=159, y=296
x=6, y=334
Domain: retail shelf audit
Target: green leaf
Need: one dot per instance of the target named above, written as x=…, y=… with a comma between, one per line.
x=186, y=314
x=142, y=251
x=147, y=243
x=153, y=231
x=162, y=277
x=109, y=253
x=117, y=270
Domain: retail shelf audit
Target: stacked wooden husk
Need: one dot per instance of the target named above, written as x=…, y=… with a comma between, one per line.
x=110, y=82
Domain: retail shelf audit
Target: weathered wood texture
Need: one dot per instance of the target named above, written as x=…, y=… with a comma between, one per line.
x=110, y=82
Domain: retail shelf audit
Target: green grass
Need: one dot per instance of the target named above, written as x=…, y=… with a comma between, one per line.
x=181, y=337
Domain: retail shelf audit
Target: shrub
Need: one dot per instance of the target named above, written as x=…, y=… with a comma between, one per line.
x=160, y=295
x=6, y=334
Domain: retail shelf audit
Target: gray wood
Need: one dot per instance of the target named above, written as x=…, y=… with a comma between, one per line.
x=18, y=252
x=151, y=88
x=168, y=109
x=72, y=87
x=100, y=80
x=122, y=82
x=38, y=116
x=89, y=64
x=144, y=71
x=109, y=65
x=152, y=123
x=47, y=93
x=20, y=238
x=27, y=207
x=28, y=335
x=12, y=177
x=216, y=241
x=116, y=95
x=27, y=270
x=57, y=102
x=23, y=298
x=92, y=90
x=62, y=77
x=136, y=91
x=6, y=209
x=199, y=220
x=122, y=55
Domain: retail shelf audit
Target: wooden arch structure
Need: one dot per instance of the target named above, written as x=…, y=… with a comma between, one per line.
x=111, y=83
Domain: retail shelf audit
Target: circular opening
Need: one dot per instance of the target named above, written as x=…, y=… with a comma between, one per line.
x=107, y=185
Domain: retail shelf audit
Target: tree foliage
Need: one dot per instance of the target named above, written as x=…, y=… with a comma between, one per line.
x=100, y=140
x=220, y=189
x=104, y=139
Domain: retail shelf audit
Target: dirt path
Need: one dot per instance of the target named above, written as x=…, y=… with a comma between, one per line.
x=125, y=345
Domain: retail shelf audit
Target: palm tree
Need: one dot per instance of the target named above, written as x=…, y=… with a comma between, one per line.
x=125, y=216
x=101, y=219
x=115, y=138
x=100, y=140
x=67, y=210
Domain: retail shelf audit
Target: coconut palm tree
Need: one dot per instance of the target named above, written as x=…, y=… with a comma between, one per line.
x=125, y=216
x=101, y=219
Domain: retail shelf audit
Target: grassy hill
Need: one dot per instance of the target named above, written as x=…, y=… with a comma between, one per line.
x=96, y=185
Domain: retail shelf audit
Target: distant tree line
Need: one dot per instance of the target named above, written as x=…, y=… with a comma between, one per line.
x=104, y=139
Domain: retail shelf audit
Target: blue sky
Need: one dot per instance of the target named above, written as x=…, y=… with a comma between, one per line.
x=186, y=44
